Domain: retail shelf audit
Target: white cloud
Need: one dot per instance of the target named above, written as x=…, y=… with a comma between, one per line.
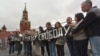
x=40, y=11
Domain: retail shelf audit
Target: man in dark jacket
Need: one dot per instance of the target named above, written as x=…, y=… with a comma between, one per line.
x=92, y=25
x=69, y=37
x=18, y=44
x=11, y=43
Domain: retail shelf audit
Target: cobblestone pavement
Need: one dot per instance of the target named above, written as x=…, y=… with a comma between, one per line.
x=5, y=52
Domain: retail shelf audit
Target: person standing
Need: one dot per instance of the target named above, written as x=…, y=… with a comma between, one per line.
x=69, y=37
x=92, y=25
x=18, y=44
x=60, y=41
x=80, y=38
x=37, y=43
x=50, y=43
x=42, y=41
x=11, y=43
x=27, y=43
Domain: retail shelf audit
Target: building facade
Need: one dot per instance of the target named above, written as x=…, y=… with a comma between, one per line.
x=24, y=25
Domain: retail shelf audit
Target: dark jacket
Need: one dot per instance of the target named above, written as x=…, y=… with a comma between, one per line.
x=68, y=36
x=11, y=39
x=42, y=42
x=91, y=23
x=51, y=29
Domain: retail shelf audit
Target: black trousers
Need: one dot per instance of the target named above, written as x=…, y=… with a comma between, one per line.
x=60, y=50
x=42, y=50
x=47, y=47
x=18, y=47
x=81, y=47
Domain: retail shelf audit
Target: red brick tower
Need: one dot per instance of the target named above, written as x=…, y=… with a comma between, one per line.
x=24, y=23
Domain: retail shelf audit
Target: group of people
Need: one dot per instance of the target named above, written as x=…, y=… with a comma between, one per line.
x=84, y=29
x=14, y=45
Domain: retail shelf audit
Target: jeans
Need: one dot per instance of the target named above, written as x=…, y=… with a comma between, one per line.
x=52, y=48
x=60, y=50
x=95, y=44
x=27, y=49
x=11, y=49
x=71, y=46
x=47, y=47
x=81, y=47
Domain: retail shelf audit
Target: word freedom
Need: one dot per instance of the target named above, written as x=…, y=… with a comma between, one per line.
x=55, y=33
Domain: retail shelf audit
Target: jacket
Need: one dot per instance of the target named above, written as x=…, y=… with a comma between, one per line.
x=91, y=23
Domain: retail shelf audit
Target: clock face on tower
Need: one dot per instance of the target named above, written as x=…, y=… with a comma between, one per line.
x=25, y=26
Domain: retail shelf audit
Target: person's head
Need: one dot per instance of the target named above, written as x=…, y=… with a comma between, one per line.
x=58, y=25
x=79, y=16
x=48, y=25
x=86, y=5
x=40, y=28
x=16, y=32
x=11, y=33
x=33, y=31
x=69, y=20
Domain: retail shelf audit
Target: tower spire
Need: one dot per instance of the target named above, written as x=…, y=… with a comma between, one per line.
x=25, y=14
x=25, y=10
x=4, y=27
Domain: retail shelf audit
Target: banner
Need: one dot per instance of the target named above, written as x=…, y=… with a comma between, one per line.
x=48, y=35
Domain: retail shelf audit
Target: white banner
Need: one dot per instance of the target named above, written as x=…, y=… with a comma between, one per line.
x=48, y=35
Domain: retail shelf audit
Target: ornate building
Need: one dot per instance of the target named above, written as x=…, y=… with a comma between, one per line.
x=3, y=32
x=4, y=28
x=25, y=23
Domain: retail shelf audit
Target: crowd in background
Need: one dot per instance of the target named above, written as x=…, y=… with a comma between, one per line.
x=84, y=29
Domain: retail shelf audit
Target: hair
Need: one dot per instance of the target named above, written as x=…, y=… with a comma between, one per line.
x=69, y=18
x=58, y=24
x=88, y=2
x=79, y=16
x=16, y=32
x=33, y=29
x=41, y=28
x=48, y=23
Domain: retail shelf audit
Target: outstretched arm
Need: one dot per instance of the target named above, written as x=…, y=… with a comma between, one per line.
x=89, y=19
